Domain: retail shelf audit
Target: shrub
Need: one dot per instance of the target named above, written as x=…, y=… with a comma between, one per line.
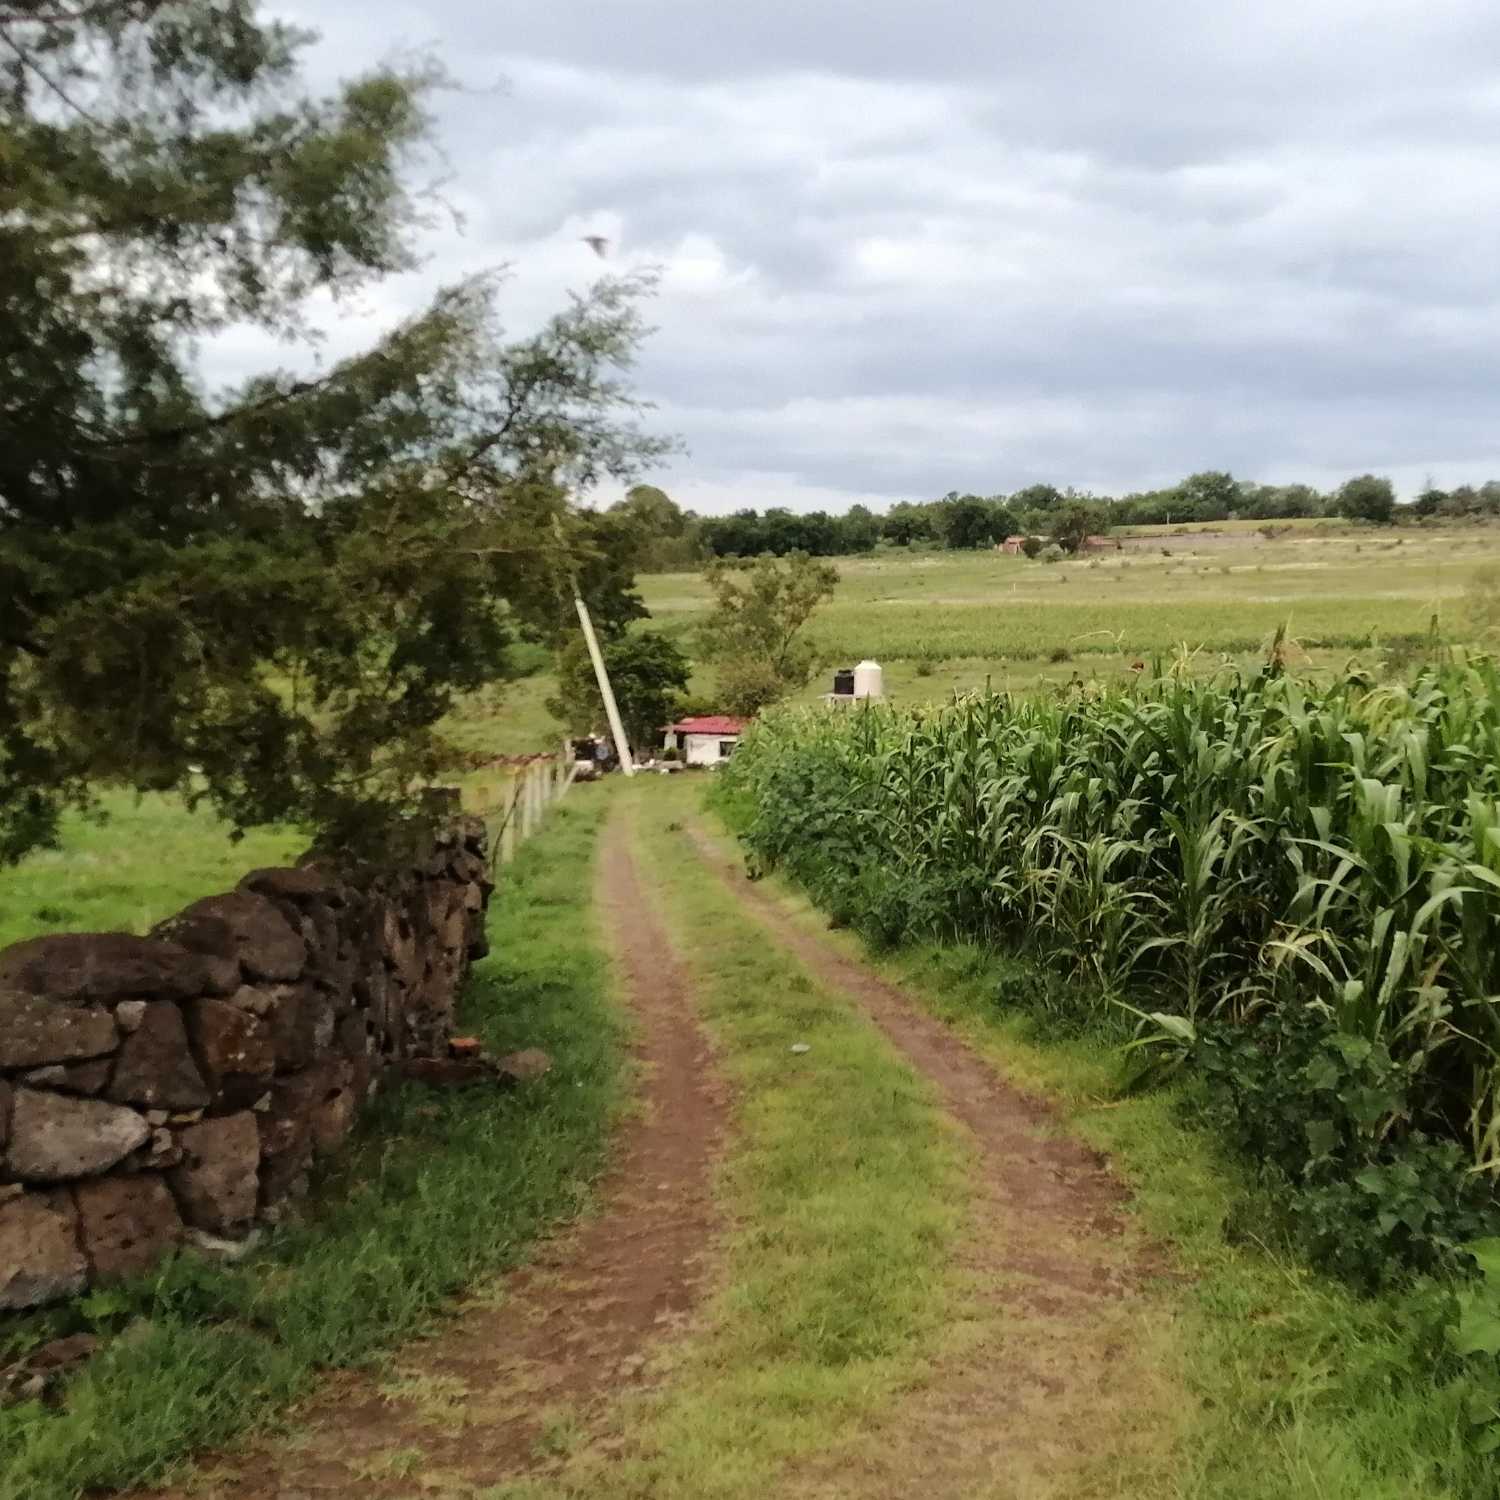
x=1328, y=1112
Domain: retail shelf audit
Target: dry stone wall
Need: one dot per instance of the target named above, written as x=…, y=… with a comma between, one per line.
x=178, y=1086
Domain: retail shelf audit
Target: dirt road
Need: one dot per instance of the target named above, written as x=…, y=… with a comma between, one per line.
x=484, y=1400
x=1043, y=1385
x=1051, y=1387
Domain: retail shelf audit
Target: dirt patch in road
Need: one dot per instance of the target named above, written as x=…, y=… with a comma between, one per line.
x=517, y=1377
x=1053, y=1383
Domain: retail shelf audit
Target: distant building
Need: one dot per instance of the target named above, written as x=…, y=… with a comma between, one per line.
x=706, y=739
x=1012, y=545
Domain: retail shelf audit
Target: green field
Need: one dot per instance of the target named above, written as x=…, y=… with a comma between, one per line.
x=937, y=621
x=134, y=862
x=1323, y=525
x=1337, y=589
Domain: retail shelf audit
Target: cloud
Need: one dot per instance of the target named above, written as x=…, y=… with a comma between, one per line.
x=906, y=249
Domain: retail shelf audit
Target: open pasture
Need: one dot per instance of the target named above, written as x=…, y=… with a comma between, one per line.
x=1337, y=589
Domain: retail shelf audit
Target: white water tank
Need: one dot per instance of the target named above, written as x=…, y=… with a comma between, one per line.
x=869, y=681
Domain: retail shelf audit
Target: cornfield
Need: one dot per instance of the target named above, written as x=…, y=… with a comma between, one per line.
x=1201, y=851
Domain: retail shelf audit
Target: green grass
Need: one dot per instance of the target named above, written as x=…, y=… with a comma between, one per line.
x=509, y=718
x=146, y=860
x=438, y=1190
x=909, y=681
x=1236, y=527
x=1300, y=1389
x=1336, y=588
x=845, y=1191
x=138, y=859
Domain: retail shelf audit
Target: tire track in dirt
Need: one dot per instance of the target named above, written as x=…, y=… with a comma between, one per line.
x=1051, y=1384
x=478, y=1403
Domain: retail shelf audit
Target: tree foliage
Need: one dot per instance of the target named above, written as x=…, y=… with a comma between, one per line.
x=906, y=522
x=658, y=534
x=1367, y=497
x=648, y=674
x=266, y=595
x=1036, y=497
x=969, y=521
x=1073, y=522
x=748, y=533
x=755, y=632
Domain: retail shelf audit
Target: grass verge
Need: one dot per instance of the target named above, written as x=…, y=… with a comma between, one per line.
x=846, y=1190
x=438, y=1190
x=1303, y=1390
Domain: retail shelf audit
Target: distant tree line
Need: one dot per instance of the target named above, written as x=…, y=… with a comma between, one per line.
x=670, y=538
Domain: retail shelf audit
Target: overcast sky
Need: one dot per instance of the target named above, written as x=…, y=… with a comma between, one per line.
x=911, y=248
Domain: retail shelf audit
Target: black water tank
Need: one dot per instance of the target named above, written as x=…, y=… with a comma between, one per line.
x=843, y=681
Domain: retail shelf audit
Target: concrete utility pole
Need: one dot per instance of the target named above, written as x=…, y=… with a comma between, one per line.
x=622, y=745
x=611, y=709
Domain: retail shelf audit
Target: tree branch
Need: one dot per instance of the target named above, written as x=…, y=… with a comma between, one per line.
x=31, y=65
x=83, y=13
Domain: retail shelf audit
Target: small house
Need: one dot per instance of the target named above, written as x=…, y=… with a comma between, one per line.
x=1012, y=546
x=706, y=739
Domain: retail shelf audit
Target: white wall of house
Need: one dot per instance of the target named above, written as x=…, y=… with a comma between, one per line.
x=705, y=749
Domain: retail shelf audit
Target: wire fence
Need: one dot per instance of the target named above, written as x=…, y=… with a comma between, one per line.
x=521, y=806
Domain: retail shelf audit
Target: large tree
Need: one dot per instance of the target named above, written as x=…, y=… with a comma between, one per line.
x=1212, y=495
x=755, y=630
x=970, y=521
x=266, y=594
x=1035, y=497
x=1075, y=520
x=857, y=529
x=661, y=535
x=905, y=523
x=648, y=675
x=1368, y=497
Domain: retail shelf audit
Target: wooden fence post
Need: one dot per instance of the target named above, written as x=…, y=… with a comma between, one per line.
x=508, y=833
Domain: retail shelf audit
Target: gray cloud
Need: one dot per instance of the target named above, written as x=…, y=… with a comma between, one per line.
x=907, y=248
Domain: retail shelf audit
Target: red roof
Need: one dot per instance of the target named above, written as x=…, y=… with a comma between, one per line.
x=709, y=724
